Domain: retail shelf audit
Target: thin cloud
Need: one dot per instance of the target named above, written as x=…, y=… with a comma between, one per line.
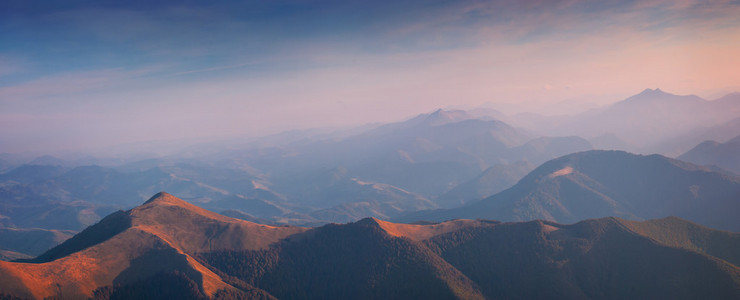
x=211, y=69
x=11, y=66
x=69, y=83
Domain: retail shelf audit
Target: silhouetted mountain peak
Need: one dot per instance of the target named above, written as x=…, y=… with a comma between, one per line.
x=653, y=92
x=650, y=93
x=168, y=211
x=371, y=222
x=441, y=117
x=166, y=198
x=659, y=96
x=368, y=220
x=729, y=98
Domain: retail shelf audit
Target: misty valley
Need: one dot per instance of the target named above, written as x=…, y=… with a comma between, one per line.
x=462, y=204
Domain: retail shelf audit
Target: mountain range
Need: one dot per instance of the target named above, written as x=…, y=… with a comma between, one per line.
x=596, y=184
x=427, y=155
x=493, y=180
x=653, y=121
x=382, y=172
x=434, y=167
x=172, y=249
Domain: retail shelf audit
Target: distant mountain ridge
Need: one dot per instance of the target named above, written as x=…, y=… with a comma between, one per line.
x=597, y=184
x=381, y=172
x=493, y=180
x=652, y=121
x=725, y=155
x=310, y=177
x=169, y=248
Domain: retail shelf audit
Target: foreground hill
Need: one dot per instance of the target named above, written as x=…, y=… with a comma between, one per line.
x=167, y=248
x=597, y=184
x=155, y=239
x=594, y=259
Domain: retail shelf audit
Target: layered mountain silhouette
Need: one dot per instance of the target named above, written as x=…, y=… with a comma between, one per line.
x=426, y=155
x=683, y=143
x=593, y=259
x=32, y=173
x=52, y=197
x=441, y=159
x=653, y=121
x=169, y=248
x=493, y=180
x=380, y=171
x=724, y=155
x=597, y=184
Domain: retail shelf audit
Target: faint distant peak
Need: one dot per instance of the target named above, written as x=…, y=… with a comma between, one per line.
x=731, y=97
x=653, y=92
x=441, y=117
x=448, y=114
x=659, y=96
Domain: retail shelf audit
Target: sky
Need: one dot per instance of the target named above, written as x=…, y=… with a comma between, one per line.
x=89, y=75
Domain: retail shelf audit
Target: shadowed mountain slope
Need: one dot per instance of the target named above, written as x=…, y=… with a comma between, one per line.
x=603, y=258
x=353, y=261
x=599, y=259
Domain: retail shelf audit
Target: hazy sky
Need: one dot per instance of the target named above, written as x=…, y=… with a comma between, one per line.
x=88, y=74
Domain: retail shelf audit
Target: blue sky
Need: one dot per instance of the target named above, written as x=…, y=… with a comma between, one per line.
x=81, y=75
